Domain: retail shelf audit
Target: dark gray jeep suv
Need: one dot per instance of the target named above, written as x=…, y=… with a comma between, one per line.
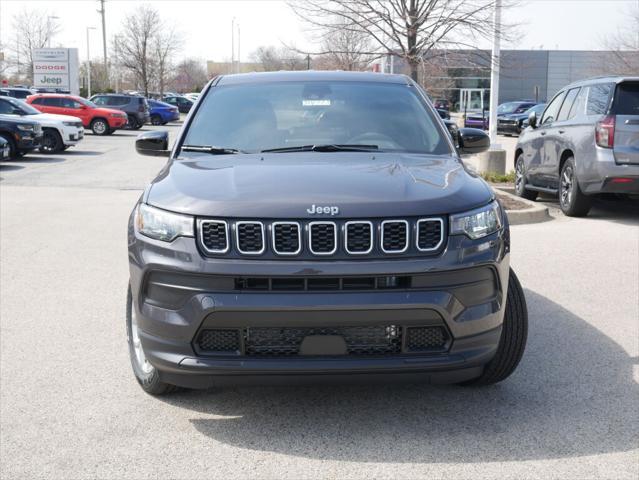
x=319, y=225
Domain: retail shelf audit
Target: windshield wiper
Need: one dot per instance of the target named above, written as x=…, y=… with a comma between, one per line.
x=213, y=150
x=324, y=148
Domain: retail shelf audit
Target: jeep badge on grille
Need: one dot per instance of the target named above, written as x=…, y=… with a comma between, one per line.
x=318, y=210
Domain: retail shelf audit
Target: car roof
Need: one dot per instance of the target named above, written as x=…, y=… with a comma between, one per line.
x=311, y=76
x=602, y=79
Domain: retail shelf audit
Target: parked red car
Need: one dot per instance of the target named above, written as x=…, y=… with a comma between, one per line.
x=101, y=121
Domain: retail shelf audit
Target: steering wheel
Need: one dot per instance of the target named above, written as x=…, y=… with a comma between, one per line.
x=374, y=138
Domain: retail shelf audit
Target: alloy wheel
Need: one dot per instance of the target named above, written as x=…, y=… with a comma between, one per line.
x=567, y=183
x=99, y=127
x=140, y=357
x=519, y=175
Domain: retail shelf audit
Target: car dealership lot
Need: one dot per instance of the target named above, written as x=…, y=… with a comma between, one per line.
x=70, y=406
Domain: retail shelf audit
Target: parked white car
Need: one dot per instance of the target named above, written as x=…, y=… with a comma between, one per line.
x=59, y=132
x=192, y=96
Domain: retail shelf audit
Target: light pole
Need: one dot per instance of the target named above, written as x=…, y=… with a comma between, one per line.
x=49, y=35
x=89, y=63
x=494, y=76
x=239, y=60
x=233, y=45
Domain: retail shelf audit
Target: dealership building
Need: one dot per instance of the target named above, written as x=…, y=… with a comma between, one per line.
x=463, y=76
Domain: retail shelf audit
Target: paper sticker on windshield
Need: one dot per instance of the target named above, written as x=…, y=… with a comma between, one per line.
x=316, y=103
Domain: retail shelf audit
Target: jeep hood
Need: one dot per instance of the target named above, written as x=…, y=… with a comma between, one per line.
x=285, y=185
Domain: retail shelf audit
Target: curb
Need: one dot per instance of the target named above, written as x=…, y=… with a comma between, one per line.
x=534, y=214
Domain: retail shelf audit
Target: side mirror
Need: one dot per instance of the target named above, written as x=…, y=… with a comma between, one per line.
x=472, y=141
x=532, y=119
x=154, y=144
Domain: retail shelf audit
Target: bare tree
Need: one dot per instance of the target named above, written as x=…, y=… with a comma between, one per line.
x=133, y=46
x=165, y=45
x=33, y=29
x=190, y=76
x=273, y=59
x=405, y=28
x=624, y=46
x=345, y=49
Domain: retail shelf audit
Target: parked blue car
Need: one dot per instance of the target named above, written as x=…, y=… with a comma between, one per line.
x=162, y=113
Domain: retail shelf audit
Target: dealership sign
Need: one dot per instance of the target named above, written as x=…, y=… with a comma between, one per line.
x=56, y=68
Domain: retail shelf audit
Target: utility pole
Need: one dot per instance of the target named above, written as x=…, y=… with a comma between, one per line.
x=494, y=76
x=239, y=58
x=308, y=61
x=89, y=63
x=104, y=44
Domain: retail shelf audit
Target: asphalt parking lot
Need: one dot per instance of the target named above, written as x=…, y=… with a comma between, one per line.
x=70, y=407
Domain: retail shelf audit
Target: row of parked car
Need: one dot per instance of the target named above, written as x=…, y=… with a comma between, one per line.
x=53, y=122
x=512, y=117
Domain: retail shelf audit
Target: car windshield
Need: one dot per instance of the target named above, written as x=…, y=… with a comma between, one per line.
x=509, y=107
x=86, y=102
x=24, y=107
x=285, y=115
x=538, y=109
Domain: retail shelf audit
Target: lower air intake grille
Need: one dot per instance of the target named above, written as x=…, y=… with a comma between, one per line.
x=222, y=341
x=425, y=339
x=365, y=340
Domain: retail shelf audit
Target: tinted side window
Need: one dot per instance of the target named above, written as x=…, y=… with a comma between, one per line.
x=579, y=105
x=37, y=101
x=553, y=108
x=6, y=107
x=119, y=101
x=567, y=105
x=627, y=99
x=598, y=99
x=69, y=103
x=51, y=102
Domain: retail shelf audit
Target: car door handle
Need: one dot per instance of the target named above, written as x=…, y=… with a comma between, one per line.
x=542, y=133
x=562, y=131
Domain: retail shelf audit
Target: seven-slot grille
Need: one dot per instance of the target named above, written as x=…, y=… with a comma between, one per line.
x=322, y=238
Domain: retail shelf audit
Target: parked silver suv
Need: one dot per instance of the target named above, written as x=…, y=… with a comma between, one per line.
x=585, y=143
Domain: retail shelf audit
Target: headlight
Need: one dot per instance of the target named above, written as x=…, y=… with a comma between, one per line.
x=477, y=223
x=162, y=225
x=26, y=128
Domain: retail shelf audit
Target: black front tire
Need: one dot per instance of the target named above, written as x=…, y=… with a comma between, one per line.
x=572, y=201
x=51, y=141
x=13, y=150
x=513, y=337
x=520, y=180
x=148, y=380
x=156, y=120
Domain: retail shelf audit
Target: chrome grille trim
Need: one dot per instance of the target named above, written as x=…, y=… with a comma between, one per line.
x=201, y=223
x=310, y=237
x=358, y=222
x=441, y=233
x=407, y=236
x=299, y=238
x=237, y=237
